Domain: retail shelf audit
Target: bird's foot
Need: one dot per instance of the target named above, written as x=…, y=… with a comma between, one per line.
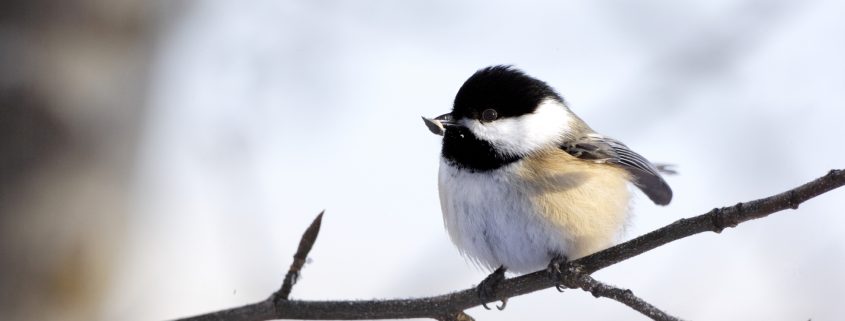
x=487, y=288
x=554, y=271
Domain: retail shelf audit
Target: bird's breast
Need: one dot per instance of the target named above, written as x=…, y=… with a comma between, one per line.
x=523, y=214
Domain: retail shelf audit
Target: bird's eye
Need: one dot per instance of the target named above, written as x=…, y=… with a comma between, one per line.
x=489, y=115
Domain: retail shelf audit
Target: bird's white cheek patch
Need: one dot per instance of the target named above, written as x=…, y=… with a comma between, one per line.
x=522, y=135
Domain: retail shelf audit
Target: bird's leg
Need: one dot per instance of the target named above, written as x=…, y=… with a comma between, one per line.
x=487, y=288
x=557, y=262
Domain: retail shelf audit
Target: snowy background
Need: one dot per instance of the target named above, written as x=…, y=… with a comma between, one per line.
x=261, y=114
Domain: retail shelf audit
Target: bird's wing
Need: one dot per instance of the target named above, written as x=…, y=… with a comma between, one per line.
x=602, y=149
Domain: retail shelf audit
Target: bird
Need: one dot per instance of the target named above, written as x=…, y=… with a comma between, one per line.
x=526, y=184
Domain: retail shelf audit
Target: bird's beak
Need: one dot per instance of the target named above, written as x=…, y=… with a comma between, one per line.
x=438, y=125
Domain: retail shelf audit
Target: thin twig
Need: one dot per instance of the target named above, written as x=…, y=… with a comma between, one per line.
x=625, y=296
x=435, y=307
x=299, y=259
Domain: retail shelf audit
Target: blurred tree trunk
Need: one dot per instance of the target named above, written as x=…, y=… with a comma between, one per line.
x=72, y=86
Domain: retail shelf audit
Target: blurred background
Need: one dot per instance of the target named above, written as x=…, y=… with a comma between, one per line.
x=160, y=159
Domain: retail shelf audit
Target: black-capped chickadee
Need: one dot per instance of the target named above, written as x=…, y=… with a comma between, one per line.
x=524, y=183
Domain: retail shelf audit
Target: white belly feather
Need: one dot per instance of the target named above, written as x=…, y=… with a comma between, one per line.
x=520, y=218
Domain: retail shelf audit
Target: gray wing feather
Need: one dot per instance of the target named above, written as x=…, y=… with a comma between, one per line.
x=603, y=149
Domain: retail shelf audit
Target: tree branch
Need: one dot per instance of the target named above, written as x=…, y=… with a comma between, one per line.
x=599, y=289
x=449, y=306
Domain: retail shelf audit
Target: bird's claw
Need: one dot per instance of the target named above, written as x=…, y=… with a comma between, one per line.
x=503, y=305
x=554, y=271
x=487, y=288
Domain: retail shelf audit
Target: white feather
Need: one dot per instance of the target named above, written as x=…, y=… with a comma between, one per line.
x=491, y=222
x=524, y=134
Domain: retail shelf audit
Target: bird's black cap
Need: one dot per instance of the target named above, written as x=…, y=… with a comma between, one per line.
x=503, y=88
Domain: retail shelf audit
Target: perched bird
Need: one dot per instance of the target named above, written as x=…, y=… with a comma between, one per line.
x=524, y=183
